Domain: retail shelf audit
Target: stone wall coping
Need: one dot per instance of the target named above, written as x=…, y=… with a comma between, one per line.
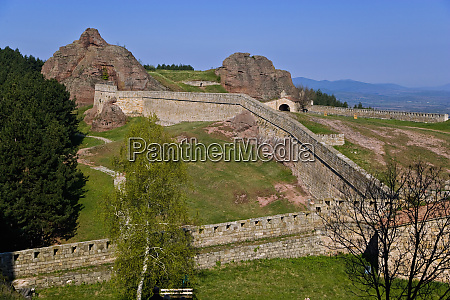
x=362, y=112
x=380, y=111
x=253, y=220
x=49, y=250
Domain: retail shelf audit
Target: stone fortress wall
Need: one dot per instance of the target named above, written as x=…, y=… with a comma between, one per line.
x=132, y=104
x=297, y=234
x=379, y=114
x=288, y=235
x=324, y=174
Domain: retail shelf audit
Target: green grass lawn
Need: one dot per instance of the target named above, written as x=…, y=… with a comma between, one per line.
x=98, y=291
x=315, y=277
x=173, y=80
x=296, y=278
x=213, y=188
x=90, y=142
x=91, y=226
x=313, y=126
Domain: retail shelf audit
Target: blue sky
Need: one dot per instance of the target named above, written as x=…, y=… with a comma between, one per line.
x=403, y=42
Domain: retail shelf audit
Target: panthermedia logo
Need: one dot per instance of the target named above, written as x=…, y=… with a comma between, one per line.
x=248, y=150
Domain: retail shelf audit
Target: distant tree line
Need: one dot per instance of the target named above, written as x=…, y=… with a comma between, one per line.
x=173, y=67
x=360, y=106
x=320, y=98
x=40, y=184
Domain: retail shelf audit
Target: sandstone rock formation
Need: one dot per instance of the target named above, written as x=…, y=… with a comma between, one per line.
x=110, y=117
x=90, y=60
x=255, y=76
x=245, y=125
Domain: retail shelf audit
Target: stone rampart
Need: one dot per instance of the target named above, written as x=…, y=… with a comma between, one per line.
x=171, y=107
x=379, y=114
x=324, y=175
x=103, y=93
x=297, y=234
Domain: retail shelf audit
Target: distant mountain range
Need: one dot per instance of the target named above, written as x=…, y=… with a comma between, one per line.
x=384, y=95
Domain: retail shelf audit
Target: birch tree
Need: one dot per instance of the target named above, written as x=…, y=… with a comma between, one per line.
x=146, y=215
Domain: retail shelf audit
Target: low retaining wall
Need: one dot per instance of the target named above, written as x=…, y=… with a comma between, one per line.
x=290, y=247
x=379, y=114
x=332, y=139
x=76, y=277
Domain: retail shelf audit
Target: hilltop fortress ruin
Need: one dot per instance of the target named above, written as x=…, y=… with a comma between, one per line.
x=285, y=236
x=323, y=171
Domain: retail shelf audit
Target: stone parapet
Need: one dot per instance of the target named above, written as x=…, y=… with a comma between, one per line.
x=254, y=229
x=31, y=262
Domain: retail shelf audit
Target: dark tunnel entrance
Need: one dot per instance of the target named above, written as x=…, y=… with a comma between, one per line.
x=284, y=107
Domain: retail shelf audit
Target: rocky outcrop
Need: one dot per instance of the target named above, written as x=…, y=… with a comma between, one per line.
x=90, y=60
x=255, y=76
x=245, y=125
x=110, y=117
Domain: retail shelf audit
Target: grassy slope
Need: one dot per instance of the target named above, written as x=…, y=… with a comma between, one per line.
x=91, y=226
x=212, y=189
x=174, y=80
x=214, y=185
x=398, y=148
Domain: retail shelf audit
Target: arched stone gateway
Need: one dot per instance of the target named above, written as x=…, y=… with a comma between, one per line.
x=284, y=107
x=284, y=104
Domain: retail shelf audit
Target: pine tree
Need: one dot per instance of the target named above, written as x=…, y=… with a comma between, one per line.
x=39, y=182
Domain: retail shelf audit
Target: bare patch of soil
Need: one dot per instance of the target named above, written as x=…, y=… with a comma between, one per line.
x=291, y=192
x=243, y=125
x=221, y=128
x=240, y=198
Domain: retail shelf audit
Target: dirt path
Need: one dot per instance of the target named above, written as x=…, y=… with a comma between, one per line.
x=85, y=152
